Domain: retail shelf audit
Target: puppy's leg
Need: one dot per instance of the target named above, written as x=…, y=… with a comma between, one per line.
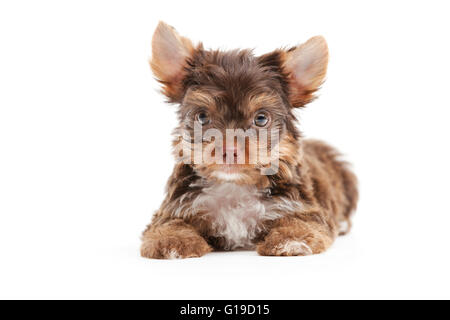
x=295, y=237
x=173, y=240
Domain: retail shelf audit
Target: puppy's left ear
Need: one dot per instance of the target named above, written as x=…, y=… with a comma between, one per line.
x=170, y=52
x=306, y=66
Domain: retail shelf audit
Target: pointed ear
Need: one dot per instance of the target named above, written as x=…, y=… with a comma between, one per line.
x=169, y=54
x=306, y=66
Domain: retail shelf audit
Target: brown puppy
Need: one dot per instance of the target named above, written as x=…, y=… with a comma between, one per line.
x=295, y=199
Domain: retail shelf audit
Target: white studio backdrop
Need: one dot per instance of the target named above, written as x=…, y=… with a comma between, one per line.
x=85, y=148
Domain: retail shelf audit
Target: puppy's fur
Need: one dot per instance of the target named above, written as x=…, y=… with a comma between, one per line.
x=301, y=208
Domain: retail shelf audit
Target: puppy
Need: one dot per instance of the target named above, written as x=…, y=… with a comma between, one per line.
x=285, y=196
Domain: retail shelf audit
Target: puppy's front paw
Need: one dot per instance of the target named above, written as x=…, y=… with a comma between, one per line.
x=285, y=248
x=284, y=242
x=174, y=247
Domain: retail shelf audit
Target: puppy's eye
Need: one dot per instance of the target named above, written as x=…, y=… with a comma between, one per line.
x=261, y=119
x=203, y=118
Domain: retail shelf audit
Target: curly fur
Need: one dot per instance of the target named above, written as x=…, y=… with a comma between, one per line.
x=301, y=208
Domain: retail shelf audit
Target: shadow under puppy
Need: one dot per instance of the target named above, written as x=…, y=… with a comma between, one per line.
x=300, y=208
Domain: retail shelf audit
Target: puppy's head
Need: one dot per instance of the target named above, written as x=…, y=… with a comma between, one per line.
x=236, y=93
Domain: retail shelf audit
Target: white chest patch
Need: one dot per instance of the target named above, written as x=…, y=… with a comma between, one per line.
x=237, y=212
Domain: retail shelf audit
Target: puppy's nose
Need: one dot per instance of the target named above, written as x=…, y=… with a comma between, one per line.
x=230, y=152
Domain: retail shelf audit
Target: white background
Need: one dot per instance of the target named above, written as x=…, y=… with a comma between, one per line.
x=85, y=148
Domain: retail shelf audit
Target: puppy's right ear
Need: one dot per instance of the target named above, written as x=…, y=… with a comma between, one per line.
x=307, y=67
x=169, y=54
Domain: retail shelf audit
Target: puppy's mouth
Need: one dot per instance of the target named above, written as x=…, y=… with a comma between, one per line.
x=230, y=168
x=229, y=172
x=238, y=163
